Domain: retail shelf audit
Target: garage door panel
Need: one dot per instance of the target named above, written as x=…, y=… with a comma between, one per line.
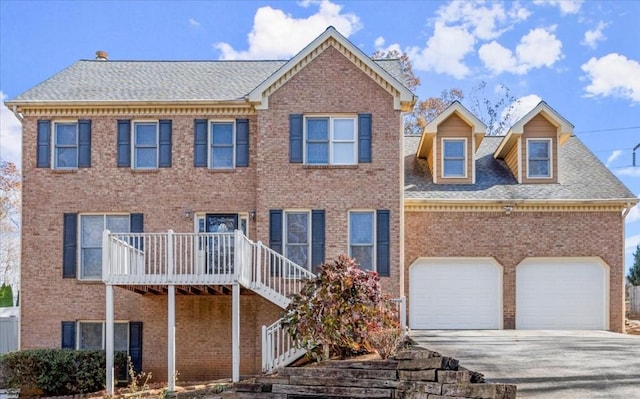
x=455, y=294
x=561, y=294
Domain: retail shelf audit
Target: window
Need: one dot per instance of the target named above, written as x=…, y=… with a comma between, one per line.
x=453, y=159
x=91, y=335
x=361, y=238
x=331, y=140
x=297, y=245
x=65, y=145
x=222, y=139
x=145, y=143
x=91, y=228
x=539, y=158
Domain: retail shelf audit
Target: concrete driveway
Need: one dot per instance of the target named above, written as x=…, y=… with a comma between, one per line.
x=546, y=364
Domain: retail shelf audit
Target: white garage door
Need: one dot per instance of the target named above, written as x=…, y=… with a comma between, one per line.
x=558, y=294
x=457, y=293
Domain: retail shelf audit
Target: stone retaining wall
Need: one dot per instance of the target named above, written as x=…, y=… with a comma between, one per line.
x=413, y=374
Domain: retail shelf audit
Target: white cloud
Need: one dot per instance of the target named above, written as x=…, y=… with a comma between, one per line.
x=613, y=75
x=444, y=52
x=614, y=155
x=279, y=35
x=10, y=134
x=593, y=36
x=565, y=6
x=519, y=108
x=379, y=45
x=628, y=171
x=538, y=48
x=630, y=243
x=634, y=214
x=194, y=23
x=485, y=21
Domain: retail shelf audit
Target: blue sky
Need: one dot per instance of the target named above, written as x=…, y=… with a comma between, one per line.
x=582, y=58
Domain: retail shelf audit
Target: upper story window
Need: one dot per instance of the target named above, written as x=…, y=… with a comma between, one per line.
x=331, y=140
x=454, y=158
x=222, y=145
x=65, y=151
x=539, y=158
x=91, y=229
x=362, y=238
x=145, y=145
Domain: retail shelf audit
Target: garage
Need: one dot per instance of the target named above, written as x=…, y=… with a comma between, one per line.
x=455, y=294
x=562, y=294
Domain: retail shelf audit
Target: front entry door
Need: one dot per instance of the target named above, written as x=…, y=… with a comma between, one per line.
x=220, y=245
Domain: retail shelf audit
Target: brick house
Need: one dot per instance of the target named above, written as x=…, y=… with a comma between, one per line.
x=171, y=207
x=303, y=155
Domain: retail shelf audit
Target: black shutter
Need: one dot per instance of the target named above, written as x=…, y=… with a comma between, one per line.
x=136, y=225
x=200, y=143
x=165, y=144
x=275, y=230
x=295, y=138
x=364, y=138
x=242, y=142
x=84, y=143
x=382, y=243
x=68, y=335
x=44, y=142
x=317, y=239
x=124, y=143
x=135, y=344
x=70, y=238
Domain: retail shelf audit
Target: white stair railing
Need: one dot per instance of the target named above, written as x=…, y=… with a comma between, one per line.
x=278, y=348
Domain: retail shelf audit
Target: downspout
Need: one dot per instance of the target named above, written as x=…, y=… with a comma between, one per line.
x=626, y=210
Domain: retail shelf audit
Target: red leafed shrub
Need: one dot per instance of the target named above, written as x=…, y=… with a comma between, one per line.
x=336, y=311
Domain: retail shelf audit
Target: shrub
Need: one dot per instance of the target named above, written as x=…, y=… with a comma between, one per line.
x=55, y=371
x=337, y=310
x=386, y=341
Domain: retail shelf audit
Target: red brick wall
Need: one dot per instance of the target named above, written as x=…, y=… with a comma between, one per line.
x=511, y=238
x=331, y=84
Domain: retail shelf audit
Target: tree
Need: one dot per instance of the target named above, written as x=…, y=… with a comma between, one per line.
x=634, y=273
x=336, y=311
x=496, y=114
x=10, y=201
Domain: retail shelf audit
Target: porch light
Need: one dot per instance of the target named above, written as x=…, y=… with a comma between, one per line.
x=187, y=213
x=252, y=214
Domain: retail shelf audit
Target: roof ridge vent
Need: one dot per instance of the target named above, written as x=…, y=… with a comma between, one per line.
x=102, y=55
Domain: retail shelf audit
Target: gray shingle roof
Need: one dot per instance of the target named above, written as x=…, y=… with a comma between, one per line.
x=104, y=81
x=581, y=177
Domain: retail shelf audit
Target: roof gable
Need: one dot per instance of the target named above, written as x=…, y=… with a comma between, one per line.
x=403, y=98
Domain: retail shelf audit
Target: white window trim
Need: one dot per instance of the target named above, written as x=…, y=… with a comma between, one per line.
x=464, y=157
x=134, y=146
x=309, y=229
x=374, y=266
x=210, y=122
x=54, y=147
x=550, y=142
x=79, y=241
x=331, y=140
x=103, y=322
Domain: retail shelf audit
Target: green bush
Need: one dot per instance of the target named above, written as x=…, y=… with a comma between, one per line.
x=338, y=310
x=55, y=371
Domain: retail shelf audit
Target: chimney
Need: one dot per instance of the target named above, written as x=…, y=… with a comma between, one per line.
x=102, y=55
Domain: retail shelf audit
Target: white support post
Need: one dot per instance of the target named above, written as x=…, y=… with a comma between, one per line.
x=264, y=348
x=171, y=340
x=258, y=277
x=235, y=332
x=170, y=256
x=109, y=344
x=106, y=256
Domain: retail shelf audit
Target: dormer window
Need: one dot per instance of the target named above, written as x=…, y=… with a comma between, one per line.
x=539, y=158
x=453, y=159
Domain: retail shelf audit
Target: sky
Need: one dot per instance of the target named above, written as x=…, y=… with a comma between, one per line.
x=582, y=58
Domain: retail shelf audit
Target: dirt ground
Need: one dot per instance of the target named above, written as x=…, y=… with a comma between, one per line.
x=632, y=326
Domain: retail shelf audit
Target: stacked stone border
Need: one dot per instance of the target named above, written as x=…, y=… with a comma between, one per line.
x=416, y=373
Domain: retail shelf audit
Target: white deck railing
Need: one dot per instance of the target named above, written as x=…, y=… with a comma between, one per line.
x=278, y=349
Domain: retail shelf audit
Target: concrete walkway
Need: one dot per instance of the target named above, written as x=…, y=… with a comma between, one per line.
x=546, y=364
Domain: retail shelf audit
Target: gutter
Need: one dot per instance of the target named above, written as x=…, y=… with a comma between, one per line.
x=626, y=210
